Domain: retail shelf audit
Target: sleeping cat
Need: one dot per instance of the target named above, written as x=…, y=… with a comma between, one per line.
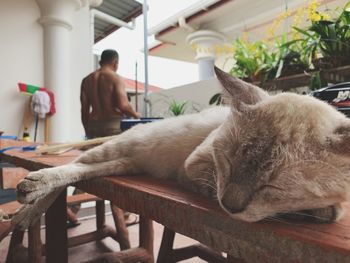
x=263, y=154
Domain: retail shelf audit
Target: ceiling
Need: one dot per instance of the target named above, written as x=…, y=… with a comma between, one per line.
x=124, y=10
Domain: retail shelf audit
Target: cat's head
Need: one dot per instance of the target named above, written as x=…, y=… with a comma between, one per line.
x=280, y=153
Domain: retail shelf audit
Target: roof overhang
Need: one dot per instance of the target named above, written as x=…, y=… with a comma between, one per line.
x=171, y=37
x=125, y=10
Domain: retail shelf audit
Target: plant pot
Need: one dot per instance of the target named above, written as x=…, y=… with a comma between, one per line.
x=331, y=62
x=255, y=78
x=293, y=69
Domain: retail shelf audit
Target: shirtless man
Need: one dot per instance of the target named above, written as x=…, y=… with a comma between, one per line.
x=103, y=104
x=103, y=91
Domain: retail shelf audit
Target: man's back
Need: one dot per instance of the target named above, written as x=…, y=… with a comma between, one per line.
x=99, y=88
x=103, y=98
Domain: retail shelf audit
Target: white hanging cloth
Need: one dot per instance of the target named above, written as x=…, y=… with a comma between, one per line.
x=40, y=103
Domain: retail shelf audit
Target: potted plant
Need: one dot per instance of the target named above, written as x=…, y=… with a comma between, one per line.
x=216, y=99
x=177, y=108
x=288, y=58
x=250, y=60
x=330, y=38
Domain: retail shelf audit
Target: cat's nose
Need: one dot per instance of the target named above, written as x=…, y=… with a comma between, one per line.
x=233, y=199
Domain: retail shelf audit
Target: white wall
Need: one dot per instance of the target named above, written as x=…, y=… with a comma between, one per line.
x=197, y=96
x=22, y=60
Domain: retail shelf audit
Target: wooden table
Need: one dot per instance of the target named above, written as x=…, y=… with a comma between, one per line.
x=56, y=216
x=194, y=216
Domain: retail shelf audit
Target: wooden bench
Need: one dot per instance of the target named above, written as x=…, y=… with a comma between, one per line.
x=35, y=252
x=196, y=217
x=202, y=219
x=10, y=176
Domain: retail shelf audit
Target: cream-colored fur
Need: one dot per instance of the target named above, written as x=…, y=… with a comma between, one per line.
x=264, y=155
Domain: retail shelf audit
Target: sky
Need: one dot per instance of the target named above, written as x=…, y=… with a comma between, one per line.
x=164, y=73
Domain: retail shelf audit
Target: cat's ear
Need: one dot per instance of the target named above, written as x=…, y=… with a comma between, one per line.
x=239, y=92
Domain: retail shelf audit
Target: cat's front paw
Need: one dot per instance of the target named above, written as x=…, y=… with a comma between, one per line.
x=31, y=187
x=3, y=215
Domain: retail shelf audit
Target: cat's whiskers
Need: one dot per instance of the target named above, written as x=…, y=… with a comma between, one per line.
x=218, y=144
x=226, y=135
x=212, y=175
x=234, y=135
x=205, y=182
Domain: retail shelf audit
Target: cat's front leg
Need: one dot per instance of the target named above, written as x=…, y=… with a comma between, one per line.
x=31, y=213
x=110, y=158
x=40, y=183
x=123, y=145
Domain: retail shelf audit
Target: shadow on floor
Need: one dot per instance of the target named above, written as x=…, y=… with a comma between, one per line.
x=90, y=250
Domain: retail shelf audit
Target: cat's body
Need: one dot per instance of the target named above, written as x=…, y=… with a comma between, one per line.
x=264, y=155
x=160, y=148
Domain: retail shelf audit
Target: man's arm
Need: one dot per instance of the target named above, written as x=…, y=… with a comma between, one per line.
x=85, y=107
x=122, y=100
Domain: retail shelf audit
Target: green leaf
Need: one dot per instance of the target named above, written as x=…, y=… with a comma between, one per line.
x=177, y=108
x=216, y=99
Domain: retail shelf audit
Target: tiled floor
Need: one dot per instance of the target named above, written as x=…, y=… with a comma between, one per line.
x=88, y=251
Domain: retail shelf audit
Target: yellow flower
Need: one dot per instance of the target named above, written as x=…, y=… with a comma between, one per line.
x=298, y=17
x=312, y=11
x=218, y=49
x=325, y=16
x=271, y=32
x=315, y=17
x=251, y=48
x=277, y=22
x=295, y=35
x=313, y=6
x=194, y=46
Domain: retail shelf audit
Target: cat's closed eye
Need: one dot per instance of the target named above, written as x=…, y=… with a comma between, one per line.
x=271, y=186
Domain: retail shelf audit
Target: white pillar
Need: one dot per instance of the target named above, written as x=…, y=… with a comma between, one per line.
x=205, y=43
x=56, y=19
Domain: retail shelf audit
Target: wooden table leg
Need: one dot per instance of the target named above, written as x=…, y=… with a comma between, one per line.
x=34, y=243
x=146, y=237
x=166, y=247
x=100, y=214
x=232, y=259
x=16, y=240
x=122, y=231
x=56, y=231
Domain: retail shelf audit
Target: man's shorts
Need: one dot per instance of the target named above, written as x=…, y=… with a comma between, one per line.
x=103, y=128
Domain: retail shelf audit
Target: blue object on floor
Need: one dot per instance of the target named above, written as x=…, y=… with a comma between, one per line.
x=128, y=123
x=25, y=148
x=9, y=137
x=7, y=195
